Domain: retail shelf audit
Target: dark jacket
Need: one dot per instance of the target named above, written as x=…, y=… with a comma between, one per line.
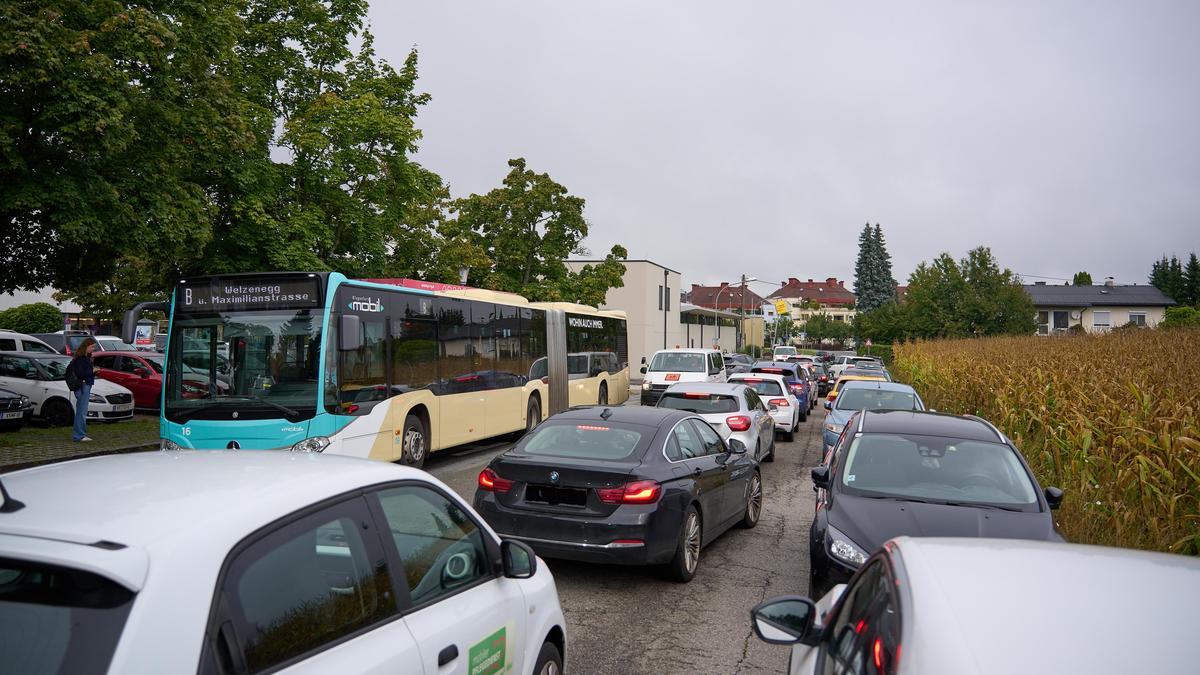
x=83, y=370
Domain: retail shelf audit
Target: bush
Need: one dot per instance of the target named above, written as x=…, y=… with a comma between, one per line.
x=37, y=317
x=1123, y=442
x=884, y=352
x=1182, y=317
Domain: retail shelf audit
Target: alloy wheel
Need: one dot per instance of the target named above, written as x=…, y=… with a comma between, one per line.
x=691, y=545
x=754, y=499
x=414, y=445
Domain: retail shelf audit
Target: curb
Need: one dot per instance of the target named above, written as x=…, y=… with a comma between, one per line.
x=9, y=468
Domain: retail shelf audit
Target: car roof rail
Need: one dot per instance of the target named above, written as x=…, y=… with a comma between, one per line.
x=989, y=425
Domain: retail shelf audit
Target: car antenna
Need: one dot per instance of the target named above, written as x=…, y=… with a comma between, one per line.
x=606, y=413
x=7, y=503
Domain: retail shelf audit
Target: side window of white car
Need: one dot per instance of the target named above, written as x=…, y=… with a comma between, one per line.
x=441, y=547
x=866, y=631
x=305, y=586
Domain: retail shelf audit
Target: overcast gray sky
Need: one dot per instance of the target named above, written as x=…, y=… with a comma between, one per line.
x=722, y=138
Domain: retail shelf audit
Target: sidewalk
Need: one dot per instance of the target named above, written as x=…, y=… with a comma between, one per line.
x=34, y=444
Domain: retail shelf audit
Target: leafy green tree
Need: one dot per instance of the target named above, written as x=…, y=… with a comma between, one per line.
x=519, y=236
x=781, y=330
x=1181, y=317
x=822, y=327
x=114, y=116
x=995, y=303
x=935, y=299
x=883, y=325
x=36, y=317
x=1082, y=279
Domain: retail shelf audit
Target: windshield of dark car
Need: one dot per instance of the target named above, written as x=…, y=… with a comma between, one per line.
x=862, y=398
x=699, y=403
x=678, y=362
x=585, y=441
x=936, y=468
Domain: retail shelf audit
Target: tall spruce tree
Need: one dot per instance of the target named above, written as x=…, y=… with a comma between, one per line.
x=873, y=282
x=1082, y=279
x=1191, y=281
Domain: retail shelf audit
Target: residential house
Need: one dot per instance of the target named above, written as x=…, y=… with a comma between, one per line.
x=807, y=298
x=729, y=297
x=1096, y=308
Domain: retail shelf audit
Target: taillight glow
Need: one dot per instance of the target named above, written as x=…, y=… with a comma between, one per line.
x=858, y=627
x=738, y=422
x=754, y=380
x=590, y=427
x=638, y=492
x=491, y=481
x=878, y=649
x=824, y=378
x=695, y=395
x=779, y=402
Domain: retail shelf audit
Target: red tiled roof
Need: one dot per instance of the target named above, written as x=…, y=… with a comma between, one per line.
x=827, y=292
x=728, y=295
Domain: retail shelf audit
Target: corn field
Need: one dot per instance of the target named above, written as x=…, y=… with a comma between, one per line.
x=1111, y=419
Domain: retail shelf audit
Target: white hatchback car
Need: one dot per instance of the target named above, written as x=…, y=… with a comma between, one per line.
x=774, y=390
x=230, y=562
x=995, y=606
x=40, y=377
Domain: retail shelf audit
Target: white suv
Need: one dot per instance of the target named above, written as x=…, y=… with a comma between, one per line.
x=12, y=341
x=230, y=562
x=669, y=366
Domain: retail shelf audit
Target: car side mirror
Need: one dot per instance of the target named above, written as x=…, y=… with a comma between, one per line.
x=141, y=372
x=820, y=476
x=1054, y=497
x=643, y=370
x=828, y=405
x=519, y=561
x=737, y=447
x=785, y=620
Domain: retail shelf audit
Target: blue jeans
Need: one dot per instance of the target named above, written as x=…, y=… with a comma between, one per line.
x=81, y=406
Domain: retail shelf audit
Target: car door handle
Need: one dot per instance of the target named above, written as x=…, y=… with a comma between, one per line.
x=447, y=655
x=697, y=471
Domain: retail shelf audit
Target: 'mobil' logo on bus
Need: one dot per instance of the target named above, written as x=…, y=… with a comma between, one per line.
x=366, y=304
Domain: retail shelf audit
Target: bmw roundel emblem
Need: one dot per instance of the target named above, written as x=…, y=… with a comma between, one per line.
x=554, y=476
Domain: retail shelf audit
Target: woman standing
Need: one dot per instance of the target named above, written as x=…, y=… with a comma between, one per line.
x=82, y=365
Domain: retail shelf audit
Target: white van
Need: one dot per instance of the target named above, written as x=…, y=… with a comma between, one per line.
x=669, y=366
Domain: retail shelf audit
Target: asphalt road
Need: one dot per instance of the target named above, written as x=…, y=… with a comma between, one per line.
x=630, y=620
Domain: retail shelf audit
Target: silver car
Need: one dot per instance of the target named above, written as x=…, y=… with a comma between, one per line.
x=734, y=410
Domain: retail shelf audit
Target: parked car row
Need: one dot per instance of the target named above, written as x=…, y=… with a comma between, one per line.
x=883, y=601
x=40, y=378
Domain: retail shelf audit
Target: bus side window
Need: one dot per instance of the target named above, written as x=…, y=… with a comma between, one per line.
x=414, y=355
x=362, y=372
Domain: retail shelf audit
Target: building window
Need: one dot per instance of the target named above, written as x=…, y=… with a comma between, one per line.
x=667, y=299
x=660, y=297
x=1137, y=318
x=1043, y=321
x=1102, y=320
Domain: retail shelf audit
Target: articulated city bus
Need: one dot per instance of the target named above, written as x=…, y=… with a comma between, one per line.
x=390, y=369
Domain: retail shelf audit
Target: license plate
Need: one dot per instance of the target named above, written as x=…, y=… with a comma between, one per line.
x=12, y=415
x=122, y=407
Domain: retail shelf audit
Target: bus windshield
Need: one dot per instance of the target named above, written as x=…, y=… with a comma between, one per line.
x=271, y=370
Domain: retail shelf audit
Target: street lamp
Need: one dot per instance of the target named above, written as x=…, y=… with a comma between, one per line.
x=717, y=299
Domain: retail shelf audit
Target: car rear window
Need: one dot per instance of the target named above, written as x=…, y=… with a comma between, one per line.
x=761, y=386
x=859, y=398
x=586, y=441
x=57, y=619
x=698, y=402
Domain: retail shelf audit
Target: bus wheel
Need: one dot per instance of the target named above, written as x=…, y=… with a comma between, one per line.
x=533, y=415
x=603, y=393
x=412, y=451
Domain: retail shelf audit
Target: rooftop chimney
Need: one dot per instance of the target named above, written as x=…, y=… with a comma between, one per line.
x=724, y=284
x=831, y=281
x=793, y=281
x=1109, y=282
x=842, y=284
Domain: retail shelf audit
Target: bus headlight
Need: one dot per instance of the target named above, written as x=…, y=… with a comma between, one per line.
x=314, y=444
x=168, y=446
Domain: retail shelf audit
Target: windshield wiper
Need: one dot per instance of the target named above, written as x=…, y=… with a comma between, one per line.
x=288, y=413
x=984, y=506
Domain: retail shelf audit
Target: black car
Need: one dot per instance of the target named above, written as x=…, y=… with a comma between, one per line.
x=628, y=485
x=824, y=384
x=15, y=410
x=737, y=363
x=901, y=472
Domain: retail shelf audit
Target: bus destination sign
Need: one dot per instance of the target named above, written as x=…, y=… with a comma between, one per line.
x=249, y=294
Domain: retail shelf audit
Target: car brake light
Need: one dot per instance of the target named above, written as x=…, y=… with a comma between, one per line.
x=824, y=378
x=750, y=379
x=491, y=481
x=878, y=655
x=738, y=422
x=770, y=370
x=779, y=402
x=638, y=492
x=695, y=395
